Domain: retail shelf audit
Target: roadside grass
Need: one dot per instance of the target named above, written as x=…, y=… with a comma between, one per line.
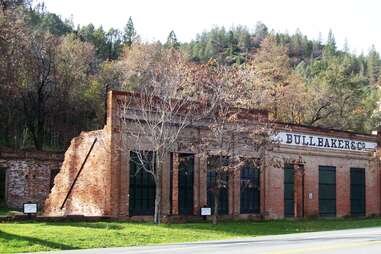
x=48, y=236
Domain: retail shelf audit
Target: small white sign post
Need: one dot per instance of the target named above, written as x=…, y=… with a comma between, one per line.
x=206, y=211
x=30, y=209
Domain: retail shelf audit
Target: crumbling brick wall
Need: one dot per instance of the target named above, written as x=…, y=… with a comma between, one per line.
x=89, y=195
x=28, y=176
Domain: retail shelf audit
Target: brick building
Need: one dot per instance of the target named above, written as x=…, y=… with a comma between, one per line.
x=324, y=173
x=27, y=176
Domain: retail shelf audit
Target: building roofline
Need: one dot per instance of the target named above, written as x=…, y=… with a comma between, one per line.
x=325, y=130
x=265, y=112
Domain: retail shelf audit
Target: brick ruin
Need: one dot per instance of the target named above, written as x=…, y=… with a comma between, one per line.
x=27, y=176
x=104, y=187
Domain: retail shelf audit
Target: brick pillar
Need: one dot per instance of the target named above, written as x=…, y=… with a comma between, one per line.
x=114, y=130
x=372, y=187
x=343, y=188
x=175, y=184
x=299, y=191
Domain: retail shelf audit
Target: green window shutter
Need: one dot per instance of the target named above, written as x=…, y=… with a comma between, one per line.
x=250, y=189
x=289, y=190
x=186, y=174
x=357, y=191
x=327, y=191
x=142, y=184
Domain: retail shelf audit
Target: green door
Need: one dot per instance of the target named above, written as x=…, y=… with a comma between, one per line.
x=186, y=165
x=250, y=191
x=142, y=184
x=327, y=191
x=289, y=190
x=357, y=191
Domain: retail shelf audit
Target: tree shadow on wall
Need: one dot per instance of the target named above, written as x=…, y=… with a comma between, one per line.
x=34, y=241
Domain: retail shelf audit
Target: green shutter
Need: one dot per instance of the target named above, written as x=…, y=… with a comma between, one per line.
x=357, y=191
x=186, y=166
x=327, y=191
x=142, y=185
x=289, y=190
x=250, y=191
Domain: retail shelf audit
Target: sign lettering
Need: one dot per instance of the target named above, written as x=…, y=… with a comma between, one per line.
x=299, y=139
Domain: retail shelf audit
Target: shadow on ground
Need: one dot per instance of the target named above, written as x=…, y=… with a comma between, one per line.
x=34, y=241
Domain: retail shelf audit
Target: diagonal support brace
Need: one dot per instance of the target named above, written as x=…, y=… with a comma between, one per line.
x=78, y=173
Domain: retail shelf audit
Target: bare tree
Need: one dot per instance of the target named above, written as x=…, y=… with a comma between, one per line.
x=233, y=129
x=155, y=116
x=173, y=95
x=39, y=85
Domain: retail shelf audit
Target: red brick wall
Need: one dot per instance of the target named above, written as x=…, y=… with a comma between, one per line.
x=103, y=186
x=90, y=194
x=28, y=175
x=311, y=160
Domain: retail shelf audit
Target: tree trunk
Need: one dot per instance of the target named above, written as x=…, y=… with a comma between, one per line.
x=156, y=217
x=216, y=200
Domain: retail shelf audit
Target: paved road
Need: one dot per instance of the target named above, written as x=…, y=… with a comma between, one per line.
x=354, y=241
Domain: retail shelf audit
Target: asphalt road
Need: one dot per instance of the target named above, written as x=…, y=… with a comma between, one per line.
x=354, y=241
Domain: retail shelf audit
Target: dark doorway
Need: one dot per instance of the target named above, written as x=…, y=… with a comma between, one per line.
x=289, y=202
x=3, y=174
x=250, y=191
x=53, y=174
x=142, y=184
x=223, y=200
x=357, y=191
x=327, y=191
x=186, y=174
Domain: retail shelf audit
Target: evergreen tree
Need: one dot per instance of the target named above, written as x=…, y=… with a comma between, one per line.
x=330, y=47
x=130, y=34
x=172, y=41
x=261, y=31
x=373, y=65
x=114, y=43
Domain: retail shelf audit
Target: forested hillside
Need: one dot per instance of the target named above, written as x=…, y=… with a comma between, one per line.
x=54, y=76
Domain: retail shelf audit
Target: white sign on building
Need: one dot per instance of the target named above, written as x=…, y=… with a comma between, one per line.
x=324, y=142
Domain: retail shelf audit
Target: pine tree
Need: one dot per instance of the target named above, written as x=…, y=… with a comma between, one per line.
x=129, y=35
x=373, y=65
x=172, y=41
x=330, y=47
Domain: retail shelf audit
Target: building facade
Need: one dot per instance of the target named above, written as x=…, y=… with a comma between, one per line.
x=324, y=173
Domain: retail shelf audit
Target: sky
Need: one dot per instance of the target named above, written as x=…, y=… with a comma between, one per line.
x=358, y=22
